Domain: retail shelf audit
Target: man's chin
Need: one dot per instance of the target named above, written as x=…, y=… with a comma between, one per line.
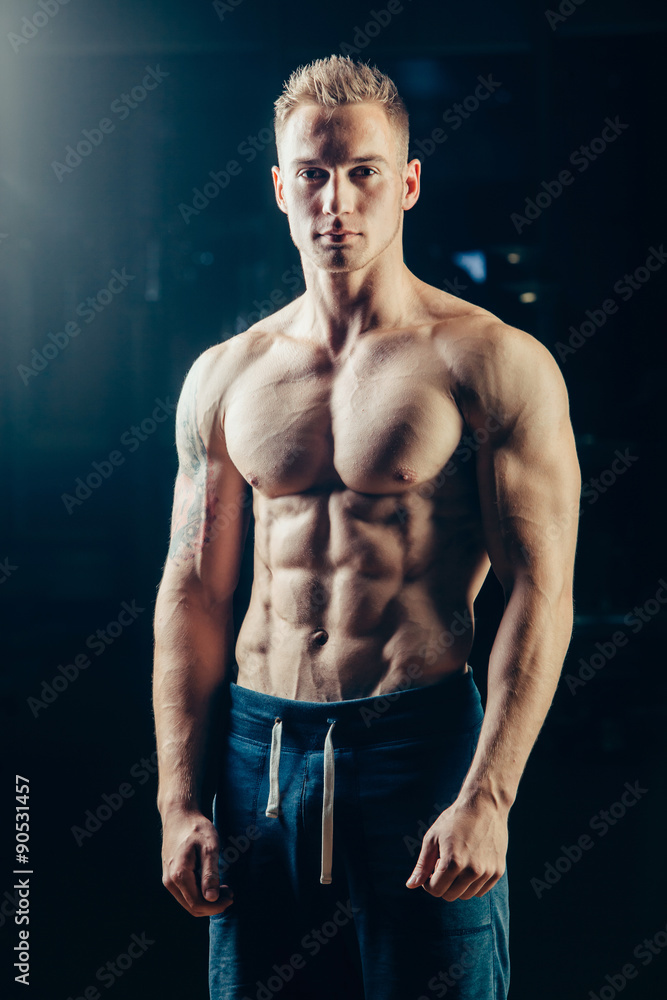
x=338, y=259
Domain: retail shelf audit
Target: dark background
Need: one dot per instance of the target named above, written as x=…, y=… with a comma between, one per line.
x=67, y=572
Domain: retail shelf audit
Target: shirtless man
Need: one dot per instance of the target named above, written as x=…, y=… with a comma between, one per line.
x=340, y=419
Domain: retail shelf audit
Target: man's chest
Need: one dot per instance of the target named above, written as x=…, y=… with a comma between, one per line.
x=378, y=422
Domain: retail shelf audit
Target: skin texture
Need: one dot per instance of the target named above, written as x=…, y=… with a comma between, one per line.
x=395, y=442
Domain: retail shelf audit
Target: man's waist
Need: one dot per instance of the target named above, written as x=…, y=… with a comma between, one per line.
x=448, y=706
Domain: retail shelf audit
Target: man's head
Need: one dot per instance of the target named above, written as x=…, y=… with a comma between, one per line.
x=336, y=81
x=342, y=140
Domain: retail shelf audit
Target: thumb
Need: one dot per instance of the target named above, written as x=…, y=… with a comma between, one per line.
x=425, y=864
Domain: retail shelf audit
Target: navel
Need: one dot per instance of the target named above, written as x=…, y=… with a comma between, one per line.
x=320, y=636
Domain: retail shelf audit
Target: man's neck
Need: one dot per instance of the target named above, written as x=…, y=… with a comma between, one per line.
x=339, y=307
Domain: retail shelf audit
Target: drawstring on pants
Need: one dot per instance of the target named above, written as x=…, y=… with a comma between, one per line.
x=327, y=806
x=274, y=764
x=327, y=793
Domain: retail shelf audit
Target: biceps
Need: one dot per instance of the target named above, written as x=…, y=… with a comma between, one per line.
x=530, y=496
x=188, y=518
x=210, y=518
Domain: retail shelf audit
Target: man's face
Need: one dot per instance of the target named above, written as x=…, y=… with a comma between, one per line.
x=339, y=172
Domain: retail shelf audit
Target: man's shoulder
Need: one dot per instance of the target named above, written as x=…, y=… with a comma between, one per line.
x=216, y=368
x=480, y=346
x=496, y=367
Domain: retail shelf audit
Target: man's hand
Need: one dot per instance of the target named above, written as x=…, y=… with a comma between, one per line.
x=469, y=844
x=190, y=851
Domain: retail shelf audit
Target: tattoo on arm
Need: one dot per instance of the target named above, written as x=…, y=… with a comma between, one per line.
x=190, y=514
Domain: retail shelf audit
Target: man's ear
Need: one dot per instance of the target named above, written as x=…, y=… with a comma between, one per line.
x=278, y=189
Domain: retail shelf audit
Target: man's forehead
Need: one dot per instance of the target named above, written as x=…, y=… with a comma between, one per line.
x=313, y=123
x=354, y=131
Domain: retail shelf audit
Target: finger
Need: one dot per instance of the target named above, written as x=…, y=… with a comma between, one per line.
x=451, y=879
x=203, y=909
x=210, y=877
x=425, y=863
x=186, y=883
x=474, y=889
x=442, y=878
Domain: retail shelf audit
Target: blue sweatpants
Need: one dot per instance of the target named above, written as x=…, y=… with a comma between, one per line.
x=321, y=808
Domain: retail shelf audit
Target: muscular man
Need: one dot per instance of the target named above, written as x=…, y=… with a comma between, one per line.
x=395, y=442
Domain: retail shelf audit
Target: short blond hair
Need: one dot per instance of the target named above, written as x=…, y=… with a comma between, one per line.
x=339, y=80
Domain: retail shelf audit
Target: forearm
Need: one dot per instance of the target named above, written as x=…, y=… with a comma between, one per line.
x=524, y=668
x=193, y=650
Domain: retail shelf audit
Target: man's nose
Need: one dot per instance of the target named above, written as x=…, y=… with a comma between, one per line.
x=338, y=196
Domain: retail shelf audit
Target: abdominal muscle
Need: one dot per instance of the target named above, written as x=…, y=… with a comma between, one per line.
x=357, y=595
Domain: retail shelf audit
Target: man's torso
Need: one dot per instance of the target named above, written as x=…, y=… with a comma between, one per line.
x=369, y=549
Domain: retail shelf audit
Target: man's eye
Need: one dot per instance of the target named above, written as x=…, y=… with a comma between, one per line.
x=314, y=170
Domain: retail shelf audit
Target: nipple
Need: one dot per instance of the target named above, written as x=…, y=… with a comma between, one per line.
x=320, y=636
x=405, y=475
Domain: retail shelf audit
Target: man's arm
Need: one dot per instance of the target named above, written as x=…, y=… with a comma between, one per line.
x=529, y=487
x=194, y=633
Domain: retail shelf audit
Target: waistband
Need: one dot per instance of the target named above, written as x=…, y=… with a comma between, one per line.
x=449, y=705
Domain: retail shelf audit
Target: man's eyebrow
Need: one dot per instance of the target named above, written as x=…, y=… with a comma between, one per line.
x=373, y=158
